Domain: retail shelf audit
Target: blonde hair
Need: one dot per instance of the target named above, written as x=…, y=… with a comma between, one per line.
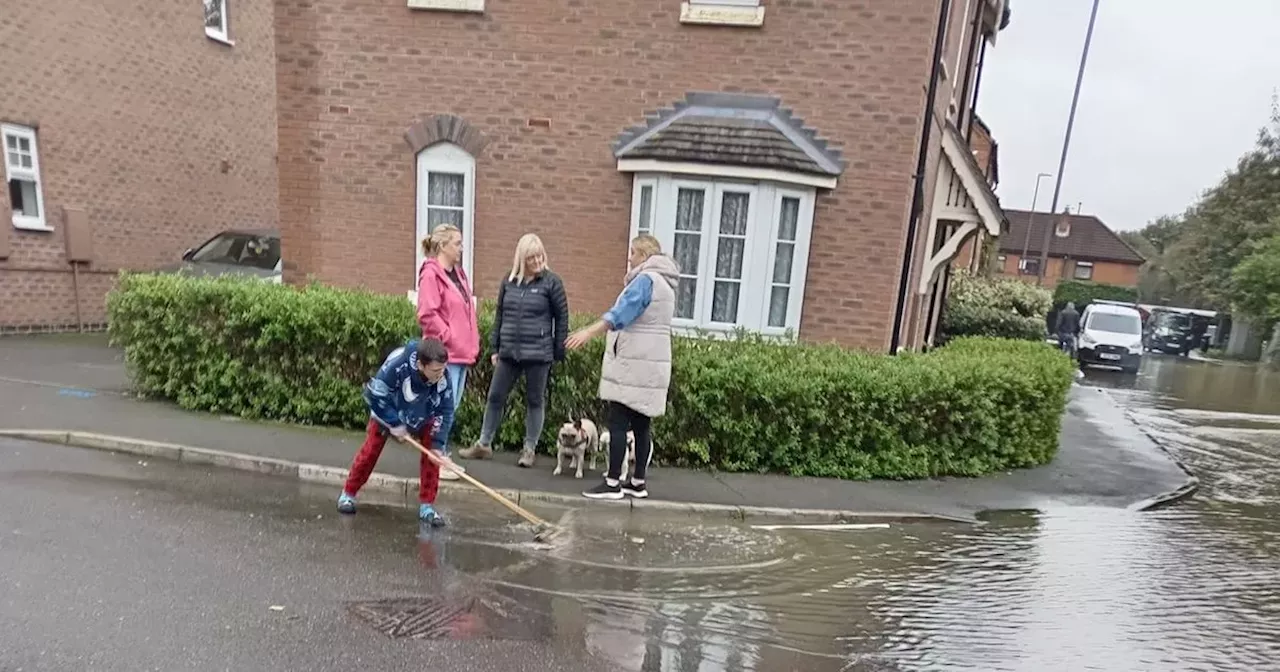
x=646, y=245
x=439, y=236
x=530, y=245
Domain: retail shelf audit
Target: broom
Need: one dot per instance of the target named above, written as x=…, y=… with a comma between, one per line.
x=544, y=532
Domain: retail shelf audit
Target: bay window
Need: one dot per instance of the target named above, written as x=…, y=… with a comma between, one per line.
x=742, y=248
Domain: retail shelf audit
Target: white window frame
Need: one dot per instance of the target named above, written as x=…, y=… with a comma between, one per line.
x=32, y=174
x=222, y=34
x=760, y=254
x=446, y=157
x=1075, y=272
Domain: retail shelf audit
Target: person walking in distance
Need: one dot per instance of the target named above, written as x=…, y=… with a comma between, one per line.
x=1068, y=325
x=446, y=311
x=410, y=395
x=636, y=370
x=529, y=331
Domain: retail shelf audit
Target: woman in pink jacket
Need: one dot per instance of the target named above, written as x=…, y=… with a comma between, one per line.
x=446, y=311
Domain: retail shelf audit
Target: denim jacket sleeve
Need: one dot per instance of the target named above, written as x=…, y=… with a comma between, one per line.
x=633, y=301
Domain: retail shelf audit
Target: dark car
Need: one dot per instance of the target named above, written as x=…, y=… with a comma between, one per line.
x=1175, y=333
x=248, y=252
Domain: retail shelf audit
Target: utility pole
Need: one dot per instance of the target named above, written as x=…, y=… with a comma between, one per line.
x=1066, y=141
x=1026, y=242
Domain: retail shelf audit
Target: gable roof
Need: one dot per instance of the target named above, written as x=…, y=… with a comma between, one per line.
x=958, y=152
x=730, y=129
x=1089, y=239
x=992, y=156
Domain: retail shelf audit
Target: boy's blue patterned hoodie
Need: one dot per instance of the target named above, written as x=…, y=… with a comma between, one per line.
x=400, y=395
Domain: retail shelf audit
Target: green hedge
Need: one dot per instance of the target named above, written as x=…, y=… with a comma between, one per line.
x=995, y=307
x=260, y=350
x=1083, y=293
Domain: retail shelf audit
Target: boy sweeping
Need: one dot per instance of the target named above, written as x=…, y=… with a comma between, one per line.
x=410, y=394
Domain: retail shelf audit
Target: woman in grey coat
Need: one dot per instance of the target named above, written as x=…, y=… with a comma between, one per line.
x=636, y=370
x=529, y=330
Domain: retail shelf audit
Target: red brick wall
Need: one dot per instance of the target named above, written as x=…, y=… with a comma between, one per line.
x=353, y=76
x=136, y=111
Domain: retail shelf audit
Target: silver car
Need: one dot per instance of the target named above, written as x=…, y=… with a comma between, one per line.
x=248, y=252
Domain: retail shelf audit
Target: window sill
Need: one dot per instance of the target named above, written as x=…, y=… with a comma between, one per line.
x=219, y=37
x=722, y=332
x=473, y=6
x=721, y=15
x=25, y=224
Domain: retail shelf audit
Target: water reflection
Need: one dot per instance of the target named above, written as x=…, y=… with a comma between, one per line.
x=1196, y=586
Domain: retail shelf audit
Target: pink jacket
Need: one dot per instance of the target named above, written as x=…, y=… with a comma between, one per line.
x=447, y=314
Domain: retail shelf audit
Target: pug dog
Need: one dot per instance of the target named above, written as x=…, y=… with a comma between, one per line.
x=575, y=440
x=628, y=461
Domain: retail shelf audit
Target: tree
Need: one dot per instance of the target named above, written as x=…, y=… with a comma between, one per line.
x=1256, y=281
x=1219, y=232
x=1158, y=280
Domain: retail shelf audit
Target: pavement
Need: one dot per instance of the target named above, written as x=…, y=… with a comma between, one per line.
x=78, y=383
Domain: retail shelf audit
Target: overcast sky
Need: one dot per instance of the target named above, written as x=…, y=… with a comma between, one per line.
x=1174, y=92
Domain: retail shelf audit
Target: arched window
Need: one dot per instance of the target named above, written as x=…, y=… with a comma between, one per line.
x=446, y=195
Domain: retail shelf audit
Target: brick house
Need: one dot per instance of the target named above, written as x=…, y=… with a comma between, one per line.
x=1081, y=247
x=130, y=134
x=772, y=145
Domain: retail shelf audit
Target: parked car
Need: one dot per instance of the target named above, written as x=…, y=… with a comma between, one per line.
x=1111, y=335
x=249, y=252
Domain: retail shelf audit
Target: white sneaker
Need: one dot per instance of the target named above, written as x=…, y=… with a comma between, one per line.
x=447, y=474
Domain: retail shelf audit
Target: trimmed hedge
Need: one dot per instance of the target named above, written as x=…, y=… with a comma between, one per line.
x=261, y=350
x=995, y=307
x=1083, y=293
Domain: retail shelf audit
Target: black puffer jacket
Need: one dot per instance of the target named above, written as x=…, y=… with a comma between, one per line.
x=532, y=321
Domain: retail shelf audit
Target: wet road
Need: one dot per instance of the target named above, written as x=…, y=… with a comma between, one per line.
x=110, y=564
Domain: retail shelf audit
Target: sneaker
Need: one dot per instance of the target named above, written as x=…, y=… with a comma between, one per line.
x=427, y=514
x=346, y=503
x=476, y=452
x=636, y=490
x=447, y=474
x=604, y=491
x=526, y=458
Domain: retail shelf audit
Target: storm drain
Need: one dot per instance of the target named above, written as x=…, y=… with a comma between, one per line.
x=438, y=617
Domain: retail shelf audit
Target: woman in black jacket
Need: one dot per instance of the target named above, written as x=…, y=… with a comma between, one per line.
x=529, y=330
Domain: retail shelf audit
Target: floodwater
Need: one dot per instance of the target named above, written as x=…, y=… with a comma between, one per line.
x=1193, y=586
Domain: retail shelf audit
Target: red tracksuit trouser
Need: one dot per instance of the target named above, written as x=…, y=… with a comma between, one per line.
x=375, y=440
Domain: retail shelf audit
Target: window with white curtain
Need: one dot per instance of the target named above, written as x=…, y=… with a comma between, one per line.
x=742, y=248
x=446, y=195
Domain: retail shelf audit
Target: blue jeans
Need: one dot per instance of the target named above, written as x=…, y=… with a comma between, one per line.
x=457, y=374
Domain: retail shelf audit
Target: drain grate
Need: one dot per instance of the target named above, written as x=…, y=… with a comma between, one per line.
x=442, y=617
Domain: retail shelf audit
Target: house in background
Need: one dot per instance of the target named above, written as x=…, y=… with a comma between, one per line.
x=132, y=131
x=1081, y=247
x=811, y=166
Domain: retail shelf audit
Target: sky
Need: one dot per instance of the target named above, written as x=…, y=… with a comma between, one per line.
x=1174, y=92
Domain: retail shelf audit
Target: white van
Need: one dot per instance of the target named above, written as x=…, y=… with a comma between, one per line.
x=1111, y=335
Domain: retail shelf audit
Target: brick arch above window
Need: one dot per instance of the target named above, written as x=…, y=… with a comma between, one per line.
x=445, y=128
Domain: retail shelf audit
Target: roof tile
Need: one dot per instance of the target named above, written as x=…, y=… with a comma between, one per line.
x=1089, y=239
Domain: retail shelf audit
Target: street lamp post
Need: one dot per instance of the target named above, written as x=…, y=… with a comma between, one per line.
x=1026, y=243
x=1066, y=140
